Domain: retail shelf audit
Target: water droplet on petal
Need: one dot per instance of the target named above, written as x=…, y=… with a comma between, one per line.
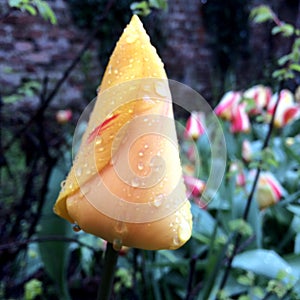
x=76, y=227
x=146, y=146
x=141, y=153
x=161, y=89
x=175, y=241
x=99, y=141
x=120, y=227
x=116, y=71
x=184, y=231
x=131, y=38
x=158, y=200
x=117, y=244
x=135, y=182
x=62, y=184
x=140, y=166
x=78, y=172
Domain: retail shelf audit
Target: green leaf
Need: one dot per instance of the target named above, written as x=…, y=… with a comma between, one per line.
x=33, y=288
x=285, y=29
x=295, y=67
x=159, y=4
x=140, y=8
x=55, y=254
x=261, y=13
x=264, y=262
x=11, y=99
x=46, y=11
x=241, y=226
x=284, y=59
x=29, y=8
x=15, y=3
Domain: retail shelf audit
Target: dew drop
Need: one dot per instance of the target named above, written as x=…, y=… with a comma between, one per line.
x=130, y=111
x=160, y=89
x=116, y=71
x=76, y=227
x=158, y=200
x=175, y=241
x=140, y=166
x=146, y=146
x=117, y=244
x=99, y=141
x=78, y=172
x=141, y=153
x=135, y=182
x=101, y=149
x=120, y=227
x=131, y=38
x=62, y=184
x=184, y=231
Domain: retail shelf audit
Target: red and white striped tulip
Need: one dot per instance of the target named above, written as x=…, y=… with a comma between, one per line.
x=261, y=96
x=269, y=190
x=195, y=125
x=285, y=110
x=246, y=151
x=64, y=116
x=240, y=121
x=195, y=186
x=225, y=109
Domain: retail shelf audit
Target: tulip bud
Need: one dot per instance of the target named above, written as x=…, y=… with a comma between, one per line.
x=240, y=120
x=269, y=190
x=246, y=151
x=240, y=178
x=195, y=125
x=227, y=105
x=194, y=185
x=126, y=183
x=64, y=116
x=286, y=102
x=261, y=96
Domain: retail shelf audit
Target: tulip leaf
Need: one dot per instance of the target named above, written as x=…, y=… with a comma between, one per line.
x=55, y=254
x=265, y=262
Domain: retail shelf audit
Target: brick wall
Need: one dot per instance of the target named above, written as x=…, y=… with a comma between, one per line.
x=32, y=48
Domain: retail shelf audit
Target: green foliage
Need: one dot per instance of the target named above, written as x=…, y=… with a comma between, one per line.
x=33, y=288
x=289, y=63
x=27, y=89
x=55, y=254
x=144, y=8
x=32, y=6
x=261, y=14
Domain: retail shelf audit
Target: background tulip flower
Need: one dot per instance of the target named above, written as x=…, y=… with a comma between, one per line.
x=227, y=106
x=246, y=151
x=286, y=103
x=269, y=190
x=109, y=191
x=240, y=121
x=261, y=96
x=64, y=116
x=195, y=125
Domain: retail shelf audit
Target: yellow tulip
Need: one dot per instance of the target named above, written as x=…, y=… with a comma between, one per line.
x=125, y=184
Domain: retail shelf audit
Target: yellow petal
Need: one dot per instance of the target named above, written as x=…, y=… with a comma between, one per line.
x=126, y=184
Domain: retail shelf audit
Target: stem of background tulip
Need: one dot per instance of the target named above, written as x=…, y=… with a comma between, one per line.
x=107, y=279
x=250, y=197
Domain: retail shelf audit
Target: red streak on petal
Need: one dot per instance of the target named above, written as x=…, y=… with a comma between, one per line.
x=100, y=128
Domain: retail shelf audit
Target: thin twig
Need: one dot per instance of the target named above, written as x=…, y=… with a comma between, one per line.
x=50, y=238
x=250, y=197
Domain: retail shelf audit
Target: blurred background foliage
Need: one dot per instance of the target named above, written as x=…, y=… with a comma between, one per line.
x=41, y=257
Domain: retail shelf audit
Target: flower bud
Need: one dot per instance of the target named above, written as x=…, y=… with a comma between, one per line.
x=195, y=125
x=126, y=183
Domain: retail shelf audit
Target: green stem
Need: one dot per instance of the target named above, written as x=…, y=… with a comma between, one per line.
x=110, y=261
